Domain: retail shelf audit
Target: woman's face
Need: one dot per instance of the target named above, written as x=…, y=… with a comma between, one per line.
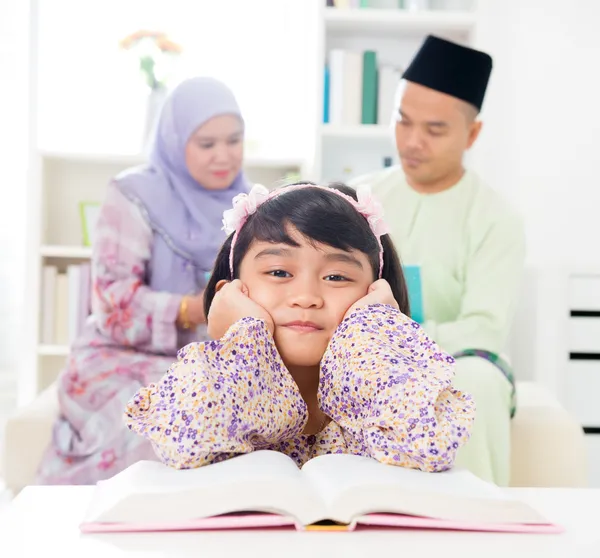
x=307, y=290
x=215, y=151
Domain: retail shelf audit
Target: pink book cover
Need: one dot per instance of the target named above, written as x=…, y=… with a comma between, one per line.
x=269, y=521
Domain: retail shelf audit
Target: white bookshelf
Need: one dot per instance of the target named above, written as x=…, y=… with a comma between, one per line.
x=251, y=163
x=363, y=131
x=66, y=252
x=343, y=152
x=392, y=22
x=53, y=350
x=61, y=179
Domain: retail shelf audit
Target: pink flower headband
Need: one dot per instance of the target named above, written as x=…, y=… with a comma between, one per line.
x=245, y=205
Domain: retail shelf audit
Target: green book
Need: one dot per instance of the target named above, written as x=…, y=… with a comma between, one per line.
x=369, y=88
x=364, y=3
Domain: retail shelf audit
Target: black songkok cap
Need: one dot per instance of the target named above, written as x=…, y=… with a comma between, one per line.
x=450, y=68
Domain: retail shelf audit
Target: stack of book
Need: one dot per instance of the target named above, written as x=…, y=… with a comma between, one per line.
x=383, y=4
x=65, y=303
x=358, y=90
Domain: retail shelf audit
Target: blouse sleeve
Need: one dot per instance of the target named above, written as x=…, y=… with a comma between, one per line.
x=125, y=308
x=220, y=399
x=390, y=388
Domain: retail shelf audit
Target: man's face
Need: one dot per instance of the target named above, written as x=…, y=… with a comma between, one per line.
x=433, y=130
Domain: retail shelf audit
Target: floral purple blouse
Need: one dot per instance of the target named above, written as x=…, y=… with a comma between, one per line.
x=386, y=386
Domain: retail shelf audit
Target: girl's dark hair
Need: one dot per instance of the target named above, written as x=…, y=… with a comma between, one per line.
x=322, y=217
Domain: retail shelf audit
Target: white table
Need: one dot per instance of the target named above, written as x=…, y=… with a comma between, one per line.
x=43, y=521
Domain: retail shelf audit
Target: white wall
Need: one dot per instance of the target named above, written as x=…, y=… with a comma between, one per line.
x=14, y=125
x=542, y=141
x=558, y=128
x=541, y=147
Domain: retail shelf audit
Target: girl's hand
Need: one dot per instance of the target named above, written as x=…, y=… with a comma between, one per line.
x=231, y=304
x=378, y=293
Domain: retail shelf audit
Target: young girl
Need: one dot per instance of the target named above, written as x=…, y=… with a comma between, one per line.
x=313, y=350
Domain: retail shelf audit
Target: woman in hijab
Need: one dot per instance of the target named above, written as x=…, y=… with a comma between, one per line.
x=157, y=235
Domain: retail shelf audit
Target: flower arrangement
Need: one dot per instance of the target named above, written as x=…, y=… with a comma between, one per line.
x=153, y=48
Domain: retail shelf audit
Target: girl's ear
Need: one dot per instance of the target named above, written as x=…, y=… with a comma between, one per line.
x=220, y=284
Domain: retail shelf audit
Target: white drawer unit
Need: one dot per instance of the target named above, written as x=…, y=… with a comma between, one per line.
x=584, y=292
x=593, y=454
x=581, y=387
x=584, y=334
x=582, y=382
x=582, y=391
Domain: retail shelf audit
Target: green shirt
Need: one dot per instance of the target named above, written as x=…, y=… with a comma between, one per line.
x=471, y=248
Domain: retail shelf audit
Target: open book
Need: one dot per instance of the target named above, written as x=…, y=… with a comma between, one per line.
x=267, y=489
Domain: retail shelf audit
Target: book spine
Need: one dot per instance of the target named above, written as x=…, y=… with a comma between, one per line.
x=61, y=310
x=85, y=292
x=369, y=88
x=326, y=95
x=336, y=86
x=388, y=80
x=352, y=88
x=414, y=286
x=74, y=282
x=345, y=87
x=49, y=301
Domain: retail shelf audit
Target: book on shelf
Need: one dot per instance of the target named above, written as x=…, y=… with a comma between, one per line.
x=414, y=286
x=65, y=304
x=326, y=95
x=379, y=4
x=345, y=87
x=369, y=87
x=267, y=489
x=357, y=89
x=388, y=78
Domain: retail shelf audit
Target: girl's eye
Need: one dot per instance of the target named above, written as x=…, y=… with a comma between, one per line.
x=279, y=273
x=206, y=145
x=335, y=278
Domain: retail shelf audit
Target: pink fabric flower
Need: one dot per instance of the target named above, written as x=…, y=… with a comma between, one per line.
x=244, y=205
x=371, y=209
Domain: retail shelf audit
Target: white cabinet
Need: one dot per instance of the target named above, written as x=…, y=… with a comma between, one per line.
x=582, y=380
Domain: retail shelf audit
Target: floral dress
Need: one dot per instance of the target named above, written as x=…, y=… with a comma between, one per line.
x=386, y=386
x=130, y=340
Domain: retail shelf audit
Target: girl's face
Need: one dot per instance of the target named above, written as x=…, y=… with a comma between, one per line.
x=307, y=290
x=214, y=152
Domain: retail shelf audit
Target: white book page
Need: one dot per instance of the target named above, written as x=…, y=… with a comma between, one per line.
x=149, y=491
x=352, y=485
x=337, y=473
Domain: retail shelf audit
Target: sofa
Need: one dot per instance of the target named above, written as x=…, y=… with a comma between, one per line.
x=548, y=448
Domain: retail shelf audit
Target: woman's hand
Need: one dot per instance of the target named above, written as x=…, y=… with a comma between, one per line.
x=231, y=304
x=193, y=315
x=378, y=293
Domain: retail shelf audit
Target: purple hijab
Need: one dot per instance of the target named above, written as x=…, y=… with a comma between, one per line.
x=186, y=218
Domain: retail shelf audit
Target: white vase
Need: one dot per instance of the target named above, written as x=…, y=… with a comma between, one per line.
x=154, y=103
